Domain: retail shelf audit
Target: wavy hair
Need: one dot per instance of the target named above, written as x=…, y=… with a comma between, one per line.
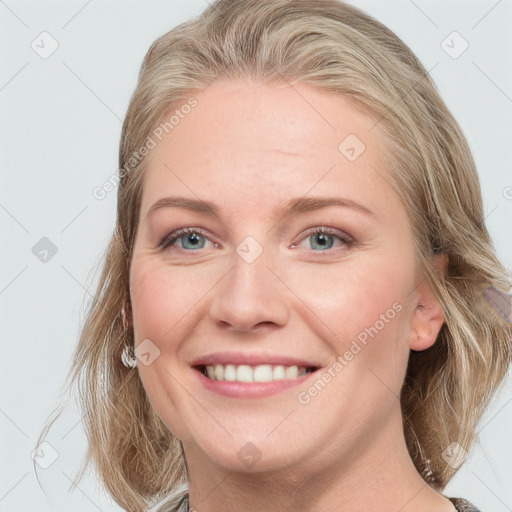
x=337, y=48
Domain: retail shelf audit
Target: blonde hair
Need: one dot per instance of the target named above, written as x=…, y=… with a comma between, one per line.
x=336, y=48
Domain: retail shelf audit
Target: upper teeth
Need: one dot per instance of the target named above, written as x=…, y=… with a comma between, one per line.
x=259, y=373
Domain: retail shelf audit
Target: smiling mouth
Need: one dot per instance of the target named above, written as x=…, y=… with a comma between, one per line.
x=254, y=373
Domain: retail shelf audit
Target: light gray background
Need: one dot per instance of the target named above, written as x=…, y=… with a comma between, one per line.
x=60, y=126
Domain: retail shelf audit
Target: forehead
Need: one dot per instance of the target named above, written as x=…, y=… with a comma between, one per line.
x=241, y=137
x=284, y=119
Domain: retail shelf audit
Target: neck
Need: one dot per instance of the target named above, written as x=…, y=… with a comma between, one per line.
x=380, y=476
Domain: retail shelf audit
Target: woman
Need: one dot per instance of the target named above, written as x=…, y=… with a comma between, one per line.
x=292, y=313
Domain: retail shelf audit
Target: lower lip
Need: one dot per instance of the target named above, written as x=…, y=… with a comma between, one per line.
x=235, y=389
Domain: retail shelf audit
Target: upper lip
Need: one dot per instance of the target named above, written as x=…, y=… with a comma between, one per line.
x=252, y=359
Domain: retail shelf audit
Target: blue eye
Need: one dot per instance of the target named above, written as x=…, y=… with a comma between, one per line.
x=193, y=239
x=325, y=241
x=323, y=238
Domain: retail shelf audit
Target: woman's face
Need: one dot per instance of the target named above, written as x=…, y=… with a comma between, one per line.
x=253, y=293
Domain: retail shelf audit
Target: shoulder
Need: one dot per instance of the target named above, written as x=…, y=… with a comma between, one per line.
x=463, y=505
x=176, y=501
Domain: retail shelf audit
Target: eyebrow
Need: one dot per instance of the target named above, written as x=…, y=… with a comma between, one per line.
x=294, y=206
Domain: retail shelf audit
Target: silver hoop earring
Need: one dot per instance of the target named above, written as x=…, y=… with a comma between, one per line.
x=128, y=354
x=427, y=472
x=128, y=357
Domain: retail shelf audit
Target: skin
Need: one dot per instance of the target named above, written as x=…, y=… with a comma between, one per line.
x=249, y=148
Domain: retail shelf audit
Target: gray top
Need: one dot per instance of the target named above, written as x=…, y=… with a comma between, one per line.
x=463, y=505
x=178, y=502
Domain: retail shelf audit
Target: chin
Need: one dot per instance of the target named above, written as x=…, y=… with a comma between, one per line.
x=257, y=456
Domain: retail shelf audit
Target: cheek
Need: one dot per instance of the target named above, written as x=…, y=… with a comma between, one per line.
x=353, y=297
x=365, y=304
x=162, y=306
x=163, y=300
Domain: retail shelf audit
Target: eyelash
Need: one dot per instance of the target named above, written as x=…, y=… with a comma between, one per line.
x=168, y=240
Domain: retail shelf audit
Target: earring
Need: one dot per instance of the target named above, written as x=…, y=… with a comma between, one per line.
x=427, y=472
x=128, y=354
x=128, y=357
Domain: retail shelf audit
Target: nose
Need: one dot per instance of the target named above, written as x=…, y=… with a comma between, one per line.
x=250, y=296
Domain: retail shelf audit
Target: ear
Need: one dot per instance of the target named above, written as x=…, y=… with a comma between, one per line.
x=427, y=317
